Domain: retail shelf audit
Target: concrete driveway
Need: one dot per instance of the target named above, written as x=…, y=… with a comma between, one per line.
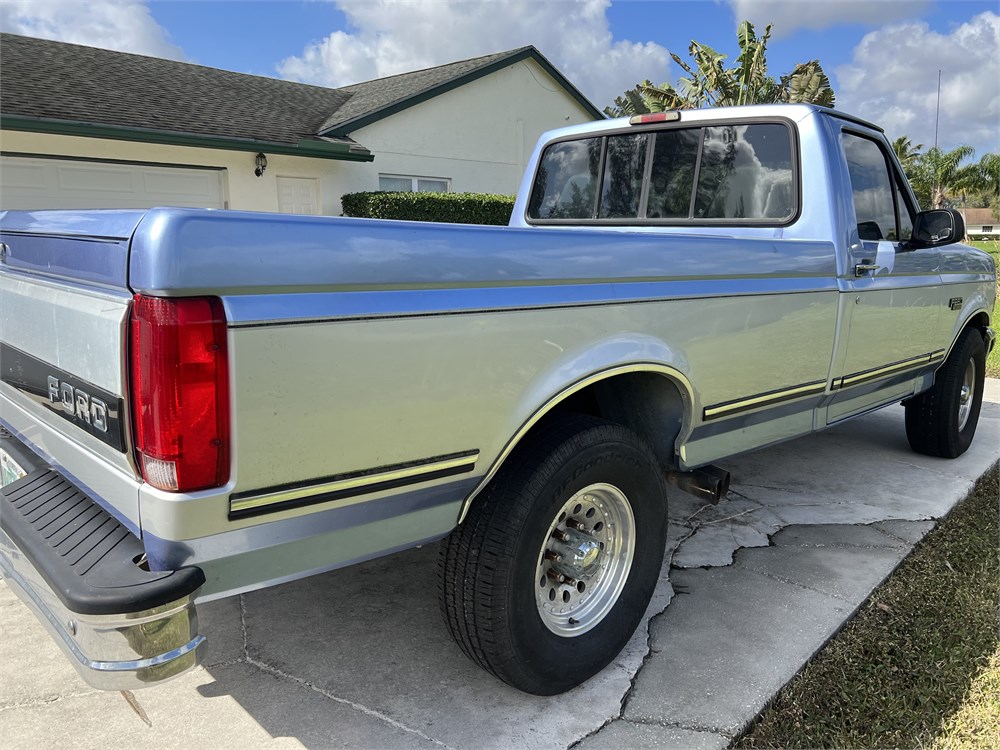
x=360, y=658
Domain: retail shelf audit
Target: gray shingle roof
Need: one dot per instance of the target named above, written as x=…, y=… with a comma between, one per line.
x=53, y=81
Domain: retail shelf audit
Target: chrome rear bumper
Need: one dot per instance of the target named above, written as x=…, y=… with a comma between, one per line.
x=111, y=652
x=79, y=570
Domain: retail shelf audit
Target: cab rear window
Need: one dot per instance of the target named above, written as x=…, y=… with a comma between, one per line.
x=566, y=182
x=741, y=173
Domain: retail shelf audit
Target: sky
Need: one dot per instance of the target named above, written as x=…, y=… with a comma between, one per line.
x=882, y=56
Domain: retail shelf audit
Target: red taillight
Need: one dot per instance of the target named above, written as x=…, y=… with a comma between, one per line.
x=180, y=391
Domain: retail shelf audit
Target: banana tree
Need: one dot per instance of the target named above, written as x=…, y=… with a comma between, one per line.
x=709, y=83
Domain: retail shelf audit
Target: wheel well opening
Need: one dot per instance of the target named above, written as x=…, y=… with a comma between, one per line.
x=980, y=320
x=648, y=403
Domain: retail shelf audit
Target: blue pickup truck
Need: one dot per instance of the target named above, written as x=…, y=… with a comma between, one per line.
x=199, y=403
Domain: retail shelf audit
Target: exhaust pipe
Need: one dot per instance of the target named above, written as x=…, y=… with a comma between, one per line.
x=707, y=483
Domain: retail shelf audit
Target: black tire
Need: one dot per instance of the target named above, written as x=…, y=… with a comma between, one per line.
x=932, y=418
x=490, y=565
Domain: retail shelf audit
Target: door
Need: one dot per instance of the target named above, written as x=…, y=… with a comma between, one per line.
x=890, y=295
x=31, y=182
x=298, y=195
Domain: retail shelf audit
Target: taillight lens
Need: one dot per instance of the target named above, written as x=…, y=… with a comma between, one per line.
x=180, y=391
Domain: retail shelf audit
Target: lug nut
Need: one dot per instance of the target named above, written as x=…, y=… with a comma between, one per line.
x=560, y=535
x=552, y=556
x=560, y=578
x=574, y=524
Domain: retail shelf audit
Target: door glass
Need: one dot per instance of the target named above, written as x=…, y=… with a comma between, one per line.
x=872, y=190
x=905, y=214
x=624, y=166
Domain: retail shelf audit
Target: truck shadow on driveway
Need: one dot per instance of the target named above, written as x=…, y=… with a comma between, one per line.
x=360, y=656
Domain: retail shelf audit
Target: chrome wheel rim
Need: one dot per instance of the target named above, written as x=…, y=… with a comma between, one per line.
x=585, y=560
x=966, y=393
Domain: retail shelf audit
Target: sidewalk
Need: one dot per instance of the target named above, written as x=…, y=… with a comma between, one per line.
x=359, y=657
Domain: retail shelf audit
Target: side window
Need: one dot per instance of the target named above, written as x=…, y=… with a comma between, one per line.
x=565, y=186
x=624, y=165
x=675, y=155
x=905, y=213
x=872, y=190
x=746, y=173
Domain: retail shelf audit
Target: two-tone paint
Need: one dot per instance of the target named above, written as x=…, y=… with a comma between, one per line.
x=382, y=371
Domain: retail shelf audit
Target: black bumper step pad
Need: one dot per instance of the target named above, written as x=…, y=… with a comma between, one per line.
x=85, y=554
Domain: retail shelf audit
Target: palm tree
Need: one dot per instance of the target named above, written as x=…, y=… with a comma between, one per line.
x=989, y=165
x=709, y=83
x=907, y=153
x=988, y=179
x=939, y=175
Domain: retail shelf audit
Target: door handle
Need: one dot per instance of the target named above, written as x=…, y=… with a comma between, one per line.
x=865, y=269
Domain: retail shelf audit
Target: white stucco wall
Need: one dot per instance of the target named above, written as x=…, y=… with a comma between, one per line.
x=479, y=136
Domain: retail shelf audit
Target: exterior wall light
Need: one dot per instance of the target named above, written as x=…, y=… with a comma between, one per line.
x=261, y=162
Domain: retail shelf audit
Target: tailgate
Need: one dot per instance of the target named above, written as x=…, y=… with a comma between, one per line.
x=62, y=345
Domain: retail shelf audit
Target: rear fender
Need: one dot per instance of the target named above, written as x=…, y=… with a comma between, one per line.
x=571, y=374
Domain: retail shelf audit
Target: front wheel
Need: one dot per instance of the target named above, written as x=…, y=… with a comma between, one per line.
x=942, y=421
x=551, y=572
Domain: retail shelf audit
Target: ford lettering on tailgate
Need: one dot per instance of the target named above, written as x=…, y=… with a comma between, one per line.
x=89, y=407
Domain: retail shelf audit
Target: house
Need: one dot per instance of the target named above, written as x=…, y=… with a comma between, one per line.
x=980, y=223
x=82, y=127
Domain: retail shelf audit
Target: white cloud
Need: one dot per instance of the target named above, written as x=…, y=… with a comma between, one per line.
x=791, y=15
x=893, y=77
x=124, y=25
x=395, y=36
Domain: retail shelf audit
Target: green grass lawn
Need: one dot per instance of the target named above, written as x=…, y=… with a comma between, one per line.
x=919, y=665
x=993, y=363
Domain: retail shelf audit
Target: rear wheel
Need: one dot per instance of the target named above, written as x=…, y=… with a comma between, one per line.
x=551, y=572
x=942, y=421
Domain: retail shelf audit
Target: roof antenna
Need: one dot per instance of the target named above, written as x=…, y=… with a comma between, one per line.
x=937, y=111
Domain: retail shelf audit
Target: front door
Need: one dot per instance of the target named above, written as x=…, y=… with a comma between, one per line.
x=890, y=295
x=298, y=195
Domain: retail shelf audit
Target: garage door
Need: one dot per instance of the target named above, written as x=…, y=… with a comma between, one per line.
x=29, y=182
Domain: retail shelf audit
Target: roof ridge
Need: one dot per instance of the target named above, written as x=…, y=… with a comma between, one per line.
x=498, y=55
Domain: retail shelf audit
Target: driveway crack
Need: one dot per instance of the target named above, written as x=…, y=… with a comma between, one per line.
x=275, y=672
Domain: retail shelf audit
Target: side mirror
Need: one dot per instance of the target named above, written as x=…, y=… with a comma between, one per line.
x=869, y=230
x=941, y=226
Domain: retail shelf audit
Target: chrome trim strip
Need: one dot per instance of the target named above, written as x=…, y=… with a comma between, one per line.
x=359, y=483
x=874, y=374
x=763, y=399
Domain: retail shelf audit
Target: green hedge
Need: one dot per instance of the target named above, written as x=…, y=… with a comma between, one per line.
x=454, y=208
